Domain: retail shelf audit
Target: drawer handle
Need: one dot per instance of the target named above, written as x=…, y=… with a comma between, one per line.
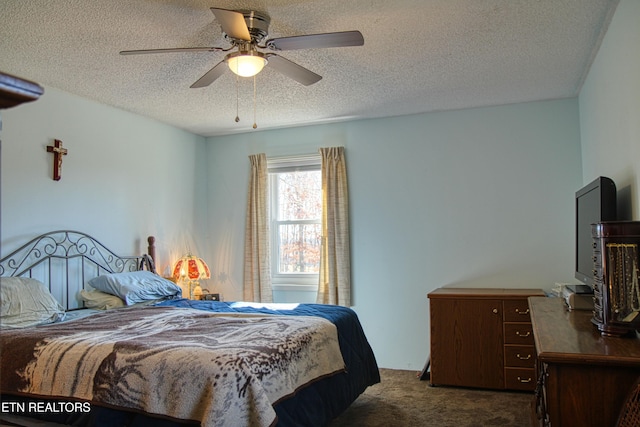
x=524, y=380
x=527, y=357
x=522, y=313
x=494, y=311
x=521, y=335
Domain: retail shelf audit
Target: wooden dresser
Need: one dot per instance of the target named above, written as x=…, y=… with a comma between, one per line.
x=15, y=91
x=482, y=338
x=584, y=376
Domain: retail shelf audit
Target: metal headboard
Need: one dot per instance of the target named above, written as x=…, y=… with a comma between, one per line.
x=66, y=260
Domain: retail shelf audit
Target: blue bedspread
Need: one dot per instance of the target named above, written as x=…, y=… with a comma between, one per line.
x=312, y=406
x=319, y=403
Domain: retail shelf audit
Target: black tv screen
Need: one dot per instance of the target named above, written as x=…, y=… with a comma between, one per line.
x=595, y=202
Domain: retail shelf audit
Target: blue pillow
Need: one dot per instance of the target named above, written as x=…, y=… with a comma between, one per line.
x=136, y=286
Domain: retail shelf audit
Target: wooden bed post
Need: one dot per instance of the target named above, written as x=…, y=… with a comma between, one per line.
x=151, y=249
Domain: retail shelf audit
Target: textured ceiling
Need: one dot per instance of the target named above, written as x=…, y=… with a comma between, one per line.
x=418, y=56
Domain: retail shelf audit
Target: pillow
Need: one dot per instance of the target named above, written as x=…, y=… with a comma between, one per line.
x=27, y=302
x=135, y=286
x=100, y=300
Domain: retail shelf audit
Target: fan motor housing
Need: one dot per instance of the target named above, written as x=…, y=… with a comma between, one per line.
x=258, y=24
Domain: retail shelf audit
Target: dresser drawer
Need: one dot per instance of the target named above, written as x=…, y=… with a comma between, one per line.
x=520, y=356
x=516, y=311
x=520, y=379
x=518, y=333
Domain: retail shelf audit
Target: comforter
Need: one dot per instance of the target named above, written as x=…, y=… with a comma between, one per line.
x=318, y=404
x=218, y=369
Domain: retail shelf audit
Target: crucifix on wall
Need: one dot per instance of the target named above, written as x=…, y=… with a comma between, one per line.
x=58, y=152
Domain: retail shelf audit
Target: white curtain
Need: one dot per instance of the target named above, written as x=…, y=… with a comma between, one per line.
x=335, y=263
x=257, y=269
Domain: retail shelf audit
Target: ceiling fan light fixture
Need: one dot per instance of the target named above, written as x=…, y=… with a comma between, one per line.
x=246, y=63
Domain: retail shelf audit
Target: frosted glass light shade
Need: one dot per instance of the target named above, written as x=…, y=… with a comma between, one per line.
x=246, y=64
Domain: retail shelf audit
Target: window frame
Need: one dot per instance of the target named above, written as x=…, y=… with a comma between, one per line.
x=275, y=166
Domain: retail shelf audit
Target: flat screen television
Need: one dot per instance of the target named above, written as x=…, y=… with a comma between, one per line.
x=595, y=202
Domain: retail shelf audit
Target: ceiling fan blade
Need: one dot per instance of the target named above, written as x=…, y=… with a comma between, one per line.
x=171, y=50
x=311, y=41
x=211, y=75
x=232, y=23
x=292, y=70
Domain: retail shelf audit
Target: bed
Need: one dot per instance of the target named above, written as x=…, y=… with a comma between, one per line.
x=111, y=343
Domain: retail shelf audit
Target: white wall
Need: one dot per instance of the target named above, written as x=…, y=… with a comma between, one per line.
x=124, y=178
x=477, y=198
x=610, y=110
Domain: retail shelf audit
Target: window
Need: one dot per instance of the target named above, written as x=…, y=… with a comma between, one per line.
x=295, y=216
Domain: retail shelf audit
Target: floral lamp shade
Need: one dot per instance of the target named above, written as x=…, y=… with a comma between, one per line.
x=190, y=269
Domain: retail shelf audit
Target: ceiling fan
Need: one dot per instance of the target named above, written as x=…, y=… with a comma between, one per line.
x=246, y=30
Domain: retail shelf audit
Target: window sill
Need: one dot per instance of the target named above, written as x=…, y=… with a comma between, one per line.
x=294, y=287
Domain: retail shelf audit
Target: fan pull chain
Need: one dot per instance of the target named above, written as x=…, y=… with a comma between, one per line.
x=237, y=96
x=255, y=126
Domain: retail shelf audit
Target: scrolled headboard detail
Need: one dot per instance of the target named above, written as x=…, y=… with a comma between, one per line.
x=65, y=260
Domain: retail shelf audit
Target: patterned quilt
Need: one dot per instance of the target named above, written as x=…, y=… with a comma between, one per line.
x=220, y=369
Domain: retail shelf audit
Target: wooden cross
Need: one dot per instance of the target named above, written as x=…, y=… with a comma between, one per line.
x=58, y=152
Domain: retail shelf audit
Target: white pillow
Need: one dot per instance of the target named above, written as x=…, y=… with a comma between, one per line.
x=27, y=302
x=136, y=286
x=100, y=300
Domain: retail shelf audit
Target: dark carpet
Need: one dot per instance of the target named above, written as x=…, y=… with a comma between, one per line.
x=401, y=399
